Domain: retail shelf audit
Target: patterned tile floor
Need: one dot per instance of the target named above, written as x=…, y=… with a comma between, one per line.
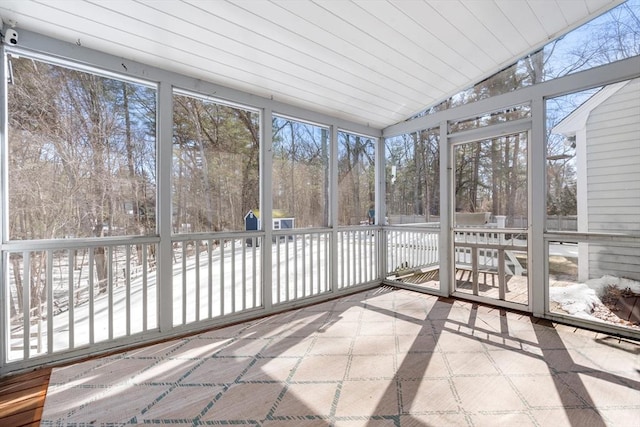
x=378, y=358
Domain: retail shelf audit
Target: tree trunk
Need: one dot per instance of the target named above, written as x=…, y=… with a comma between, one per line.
x=17, y=274
x=476, y=174
x=100, y=260
x=495, y=177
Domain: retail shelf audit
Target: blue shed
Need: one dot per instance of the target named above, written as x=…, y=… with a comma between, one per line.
x=281, y=221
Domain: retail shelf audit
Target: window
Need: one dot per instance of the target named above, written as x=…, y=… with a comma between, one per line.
x=413, y=177
x=216, y=153
x=81, y=154
x=300, y=172
x=356, y=179
x=593, y=187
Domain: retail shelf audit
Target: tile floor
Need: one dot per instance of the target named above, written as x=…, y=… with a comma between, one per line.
x=378, y=358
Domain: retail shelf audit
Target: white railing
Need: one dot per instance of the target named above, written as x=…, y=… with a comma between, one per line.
x=490, y=251
x=300, y=265
x=105, y=292
x=358, y=249
x=485, y=248
x=412, y=255
x=94, y=295
x=411, y=248
x=66, y=295
x=213, y=277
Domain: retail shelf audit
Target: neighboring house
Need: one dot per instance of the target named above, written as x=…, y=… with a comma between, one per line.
x=607, y=136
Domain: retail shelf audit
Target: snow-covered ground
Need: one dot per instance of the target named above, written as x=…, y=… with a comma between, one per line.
x=583, y=300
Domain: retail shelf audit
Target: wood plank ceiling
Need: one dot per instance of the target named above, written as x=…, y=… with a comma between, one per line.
x=374, y=62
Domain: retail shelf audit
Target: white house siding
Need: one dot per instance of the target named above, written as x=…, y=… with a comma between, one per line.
x=613, y=180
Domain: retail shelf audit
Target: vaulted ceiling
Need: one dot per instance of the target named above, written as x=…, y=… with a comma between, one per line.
x=373, y=62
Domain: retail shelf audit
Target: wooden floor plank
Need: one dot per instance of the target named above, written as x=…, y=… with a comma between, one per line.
x=27, y=384
x=22, y=418
x=22, y=398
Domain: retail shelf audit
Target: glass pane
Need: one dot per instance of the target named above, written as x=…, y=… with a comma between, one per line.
x=356, y=179
x=412, y=173
x=593, y=165
x=216, y=153
x=597, y=281
x=488, y=119
x=81, y=154
x=593, y=160
x=491, y=182
x=300, y=174
x=613, y=36
x=413, y=178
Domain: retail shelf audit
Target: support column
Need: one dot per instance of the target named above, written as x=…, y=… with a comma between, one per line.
x=164, y=277
x=333, y=208
x=537, y=270
x=4, y=258
x=381, y=206
x=445, y=248
x=266, y=205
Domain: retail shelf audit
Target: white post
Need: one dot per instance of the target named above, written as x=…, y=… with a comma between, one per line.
x=164, y=145
x=266, y=205
x=447, y=276
x=537, y=268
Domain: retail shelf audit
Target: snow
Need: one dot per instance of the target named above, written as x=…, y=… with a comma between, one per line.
x=581, y=299
x=578, y=299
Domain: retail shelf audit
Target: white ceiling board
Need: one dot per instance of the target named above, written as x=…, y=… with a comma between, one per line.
x=374, y=62
x=548, y=17
x=389, y=45
x=573, y=12
x=524, y=20
x=491, y=17
x=411, y=40
x=243, y=55
x=457, y=49
x=300, y=51
x=347, y=40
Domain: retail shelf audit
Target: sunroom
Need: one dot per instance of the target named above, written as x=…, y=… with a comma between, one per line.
x=485, y=151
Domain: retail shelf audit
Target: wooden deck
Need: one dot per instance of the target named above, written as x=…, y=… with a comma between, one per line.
x=516, y=287
x=22, y=398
